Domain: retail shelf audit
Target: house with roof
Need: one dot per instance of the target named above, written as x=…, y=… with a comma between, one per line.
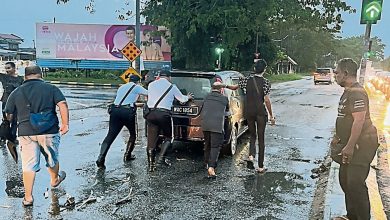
x=10, y=50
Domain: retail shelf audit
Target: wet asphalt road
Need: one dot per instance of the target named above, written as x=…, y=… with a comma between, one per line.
x=305, y=119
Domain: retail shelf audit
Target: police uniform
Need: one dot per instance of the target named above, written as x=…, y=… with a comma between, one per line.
x=353, y=175
x=123, y=115
x=159, y=119
x=215, y=108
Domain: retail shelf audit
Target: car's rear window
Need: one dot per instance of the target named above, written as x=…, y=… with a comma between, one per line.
x=199, y=86
x=323, y=70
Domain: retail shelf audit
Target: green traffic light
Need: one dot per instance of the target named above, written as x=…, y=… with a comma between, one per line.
x=219, y=50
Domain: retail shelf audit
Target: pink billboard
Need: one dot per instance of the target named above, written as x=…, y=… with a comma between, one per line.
x=98, y=42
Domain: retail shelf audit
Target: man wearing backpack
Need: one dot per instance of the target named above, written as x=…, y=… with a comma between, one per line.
x=33, y=100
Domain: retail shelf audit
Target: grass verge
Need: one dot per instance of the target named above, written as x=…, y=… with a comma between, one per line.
x=283, y=77
x=86, y=80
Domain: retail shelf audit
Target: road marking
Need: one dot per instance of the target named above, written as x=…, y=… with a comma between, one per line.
x=78, y=103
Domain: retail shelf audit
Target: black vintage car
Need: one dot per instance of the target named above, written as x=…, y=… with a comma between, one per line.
x=186, y=116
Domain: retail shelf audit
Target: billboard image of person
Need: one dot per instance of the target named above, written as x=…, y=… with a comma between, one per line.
x=150, y=49
x=89, y=41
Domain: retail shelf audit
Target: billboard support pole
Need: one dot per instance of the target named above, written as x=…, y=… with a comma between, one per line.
x=137, y=33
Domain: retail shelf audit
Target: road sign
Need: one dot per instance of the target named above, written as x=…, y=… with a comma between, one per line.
x=371, y=11
x=131, y=51
x=126, y=75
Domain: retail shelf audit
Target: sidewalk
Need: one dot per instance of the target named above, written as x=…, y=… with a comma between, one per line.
x=334, y=198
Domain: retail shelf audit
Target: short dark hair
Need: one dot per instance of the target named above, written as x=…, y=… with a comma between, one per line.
x=166, y=73
x=130, y=27
x=30, y=70
x=12, y=64
x=134, y=78
x=260, y=66
x=349, y=66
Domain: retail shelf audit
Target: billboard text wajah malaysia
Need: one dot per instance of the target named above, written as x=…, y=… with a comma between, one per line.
x=98, y=42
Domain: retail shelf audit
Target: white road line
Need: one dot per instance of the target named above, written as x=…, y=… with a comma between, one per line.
x=78, y=103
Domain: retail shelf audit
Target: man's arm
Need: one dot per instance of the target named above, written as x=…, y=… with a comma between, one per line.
x=64, y=112
x=232, y=87
x=356, y=130
x=179, y=96
x=268, y=105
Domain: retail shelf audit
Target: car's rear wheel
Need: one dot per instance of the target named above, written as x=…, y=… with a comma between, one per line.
x=231, y=148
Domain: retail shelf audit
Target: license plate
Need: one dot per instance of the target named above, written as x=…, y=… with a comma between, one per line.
x=184, y=110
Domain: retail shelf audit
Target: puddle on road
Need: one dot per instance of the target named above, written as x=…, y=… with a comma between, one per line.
x=14, y=188
x=268, y=187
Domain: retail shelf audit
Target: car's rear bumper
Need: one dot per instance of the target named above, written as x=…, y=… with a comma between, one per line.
x=187, y=133
x=322, y=79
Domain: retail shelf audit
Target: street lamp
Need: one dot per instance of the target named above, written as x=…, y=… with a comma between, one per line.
x=219, y=51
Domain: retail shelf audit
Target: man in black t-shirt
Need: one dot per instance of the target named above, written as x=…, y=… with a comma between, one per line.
x=10, y=82
x=257, y=111
x=355, y=131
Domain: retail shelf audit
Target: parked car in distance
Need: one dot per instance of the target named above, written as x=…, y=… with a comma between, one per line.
x=324, y=75
x=186, y=116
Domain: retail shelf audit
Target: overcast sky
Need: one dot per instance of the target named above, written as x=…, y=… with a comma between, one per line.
x=19, y=17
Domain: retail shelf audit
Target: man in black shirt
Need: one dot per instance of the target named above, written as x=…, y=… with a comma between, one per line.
x=215, y=108
x=258, y=109
x=10, y=82
x=355, y=131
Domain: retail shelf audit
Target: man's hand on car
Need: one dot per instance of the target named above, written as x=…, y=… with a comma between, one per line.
x=190, y=96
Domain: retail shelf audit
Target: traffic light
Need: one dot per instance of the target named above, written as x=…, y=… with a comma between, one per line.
x=219, y=50
x=371, y=11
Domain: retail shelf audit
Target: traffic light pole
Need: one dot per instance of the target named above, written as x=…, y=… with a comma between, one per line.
x=366, y=50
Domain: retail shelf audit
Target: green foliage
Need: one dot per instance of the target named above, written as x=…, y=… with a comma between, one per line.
x=352, y=47
x=237, y=23
x=283, y=77
x=385, y=64
x=100, y=74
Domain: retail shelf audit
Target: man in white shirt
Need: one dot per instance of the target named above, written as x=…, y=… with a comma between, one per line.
x=123, y=113
x=159, y=119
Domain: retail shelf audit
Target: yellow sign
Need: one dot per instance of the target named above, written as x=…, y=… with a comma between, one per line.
x=131, y=51
x=126, y=75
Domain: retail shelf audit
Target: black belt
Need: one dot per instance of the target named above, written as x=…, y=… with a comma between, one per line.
x=162, y=110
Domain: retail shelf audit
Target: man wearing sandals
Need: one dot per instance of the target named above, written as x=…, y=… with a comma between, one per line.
x=35, y=96
x=258, y=110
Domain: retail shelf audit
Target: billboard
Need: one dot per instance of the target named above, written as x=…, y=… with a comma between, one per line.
x=98, y=42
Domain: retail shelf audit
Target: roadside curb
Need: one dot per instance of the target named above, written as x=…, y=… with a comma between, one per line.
x=85, y=84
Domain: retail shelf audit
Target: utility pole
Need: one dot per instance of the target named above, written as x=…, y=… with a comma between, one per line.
x=366, y=50
x=137, y=33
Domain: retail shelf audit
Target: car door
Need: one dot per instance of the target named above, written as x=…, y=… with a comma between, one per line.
x=238, y=103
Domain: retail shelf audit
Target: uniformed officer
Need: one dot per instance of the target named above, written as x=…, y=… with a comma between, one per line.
x=159, y=119
x=123, y=113
x=215, y=108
